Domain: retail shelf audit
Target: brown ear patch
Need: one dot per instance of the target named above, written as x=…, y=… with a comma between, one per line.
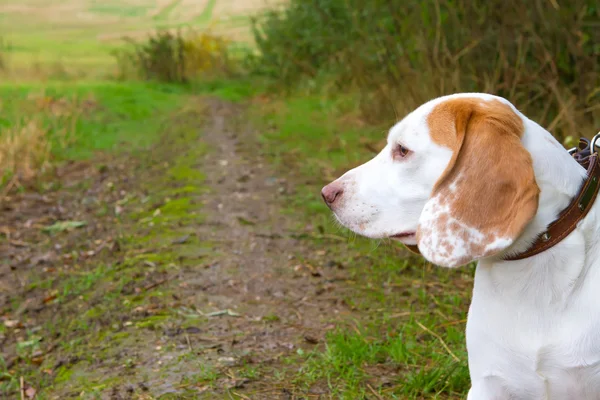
x=487, y=194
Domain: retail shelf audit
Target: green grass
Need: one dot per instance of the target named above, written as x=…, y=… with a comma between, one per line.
x=65, y=44
x=164, y=13
x=105, y=292
x=207, y=13
x=405, y=338
x=117, y=8
x=412, y=315
x=117, y=114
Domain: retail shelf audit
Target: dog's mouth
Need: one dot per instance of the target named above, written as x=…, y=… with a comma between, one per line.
x=403, y=236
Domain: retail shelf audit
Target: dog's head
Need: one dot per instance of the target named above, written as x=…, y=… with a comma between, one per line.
x=454, y=179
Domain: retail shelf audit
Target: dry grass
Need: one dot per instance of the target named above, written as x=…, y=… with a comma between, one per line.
x=24, y=150
x=42, y=124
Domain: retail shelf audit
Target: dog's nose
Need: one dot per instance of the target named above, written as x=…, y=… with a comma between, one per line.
x=332, y=192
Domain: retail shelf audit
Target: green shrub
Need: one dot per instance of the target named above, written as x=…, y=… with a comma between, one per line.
x=399, y=53
x=174, y=57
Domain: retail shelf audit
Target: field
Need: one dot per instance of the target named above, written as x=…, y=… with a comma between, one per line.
x=175, y=255
x=163, y=235
x=78, y=36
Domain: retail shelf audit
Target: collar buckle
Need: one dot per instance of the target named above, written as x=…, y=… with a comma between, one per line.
x=586, y=154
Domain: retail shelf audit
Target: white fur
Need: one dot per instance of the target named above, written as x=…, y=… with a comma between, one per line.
x=533, y=330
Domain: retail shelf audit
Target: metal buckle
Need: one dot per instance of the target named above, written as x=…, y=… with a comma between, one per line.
x=573, y=150
x=593, y=143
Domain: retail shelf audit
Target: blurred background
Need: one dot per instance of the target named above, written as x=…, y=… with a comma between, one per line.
x=162, y=234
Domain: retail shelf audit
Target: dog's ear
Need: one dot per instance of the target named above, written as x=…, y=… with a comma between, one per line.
x=487, y=194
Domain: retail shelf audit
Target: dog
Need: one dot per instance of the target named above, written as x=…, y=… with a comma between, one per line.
x=467, y=177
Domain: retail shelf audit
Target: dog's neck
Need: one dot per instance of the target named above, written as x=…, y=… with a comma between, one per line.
x=558, y=176
x=549, y=278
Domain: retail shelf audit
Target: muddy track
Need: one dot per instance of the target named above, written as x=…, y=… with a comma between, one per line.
x=263, y=292
x=285, y=304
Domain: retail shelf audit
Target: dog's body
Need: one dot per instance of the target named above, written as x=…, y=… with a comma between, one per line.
x=468, y=177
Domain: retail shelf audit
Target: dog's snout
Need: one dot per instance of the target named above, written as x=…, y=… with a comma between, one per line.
x=332, y=193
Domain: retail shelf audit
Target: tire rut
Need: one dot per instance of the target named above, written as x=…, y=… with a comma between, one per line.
x=284, y=304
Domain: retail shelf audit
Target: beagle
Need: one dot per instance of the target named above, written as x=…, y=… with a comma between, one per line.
x=467, y=177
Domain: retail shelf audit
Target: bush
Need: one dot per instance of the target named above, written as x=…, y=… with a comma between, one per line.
x=542, y=56
x=174, y=57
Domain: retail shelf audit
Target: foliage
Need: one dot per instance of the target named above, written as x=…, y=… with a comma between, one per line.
x=399, y=53
x=174, y=57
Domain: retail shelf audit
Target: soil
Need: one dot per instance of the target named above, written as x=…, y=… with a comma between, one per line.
x=258, y=298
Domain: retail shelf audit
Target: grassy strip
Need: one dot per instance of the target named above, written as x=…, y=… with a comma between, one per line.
x=206, y=14
x=409, y=342
x=113, y=114
x=98, y=311
x=72, y=121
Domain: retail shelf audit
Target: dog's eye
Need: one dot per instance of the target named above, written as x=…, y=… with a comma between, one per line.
x=400, y=152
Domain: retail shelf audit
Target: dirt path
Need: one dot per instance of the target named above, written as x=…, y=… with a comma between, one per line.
x=240, y=292
x=284, y=303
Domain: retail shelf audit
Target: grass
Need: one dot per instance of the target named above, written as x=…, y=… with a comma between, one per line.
x=406, y=339
x=404, y=334
x=413, y=314
x=72, y=121
x=207, y=13
x=121, y=303
x=78, y=38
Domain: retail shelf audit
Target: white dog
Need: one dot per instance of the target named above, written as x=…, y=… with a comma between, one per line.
x=468, y=177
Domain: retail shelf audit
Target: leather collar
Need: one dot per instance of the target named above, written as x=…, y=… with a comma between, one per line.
x=577, y=209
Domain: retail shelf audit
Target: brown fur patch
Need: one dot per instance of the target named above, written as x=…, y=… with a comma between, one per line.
x=489, y=183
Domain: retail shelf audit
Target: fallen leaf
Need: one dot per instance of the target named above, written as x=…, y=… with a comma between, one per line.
x=311, y=339
x=30, y=392
x=9, y=323
x=37, y=360
x=48, y=299
x=62, y=226
x=244, y=221
x=181, y=240
x=43, y=258
x=223, y=312
x=237, y=384
x=203, y=389
x=226, y=360
x=19, y=243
